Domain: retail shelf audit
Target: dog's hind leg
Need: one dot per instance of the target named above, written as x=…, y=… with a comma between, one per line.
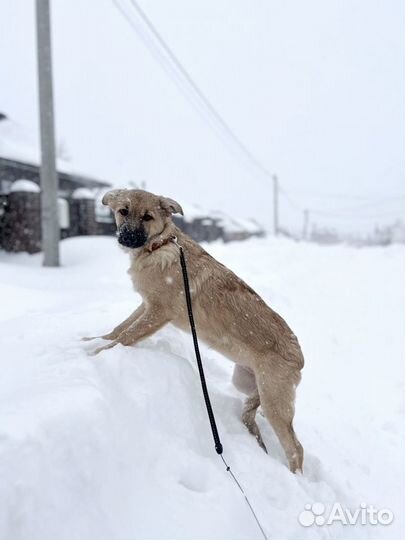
x=121, y=327
x=276, y=383
x=244, y=380
x=249, y=418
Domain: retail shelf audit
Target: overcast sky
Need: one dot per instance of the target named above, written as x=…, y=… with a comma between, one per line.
x=314, y=89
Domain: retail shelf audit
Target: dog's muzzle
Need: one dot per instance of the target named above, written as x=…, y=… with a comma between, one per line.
x=132, y=238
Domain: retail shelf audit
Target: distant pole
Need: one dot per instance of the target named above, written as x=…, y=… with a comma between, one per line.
x=49, y=178
x=275, y=204
x=305, y=225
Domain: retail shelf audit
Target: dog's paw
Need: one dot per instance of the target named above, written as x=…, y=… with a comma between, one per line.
x=103, y=348
x=105, y=336
x=261, y=443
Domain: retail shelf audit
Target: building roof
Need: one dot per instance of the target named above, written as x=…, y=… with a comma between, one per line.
x=18, y=150
x=77, y=179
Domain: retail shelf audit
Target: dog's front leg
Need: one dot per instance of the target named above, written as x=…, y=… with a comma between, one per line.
x=147, y=324
x=121, y=327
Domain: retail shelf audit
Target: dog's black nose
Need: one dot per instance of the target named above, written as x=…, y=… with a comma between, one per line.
x=132, y=238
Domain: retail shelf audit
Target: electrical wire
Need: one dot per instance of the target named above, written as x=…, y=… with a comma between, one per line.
x=176, y=68
x=345, y=217
x=164, y=55
x=347, y=197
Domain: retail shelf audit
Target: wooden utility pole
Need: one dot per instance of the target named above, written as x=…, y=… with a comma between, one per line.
x=275, y=204
x=49, y=178
x=305, y=225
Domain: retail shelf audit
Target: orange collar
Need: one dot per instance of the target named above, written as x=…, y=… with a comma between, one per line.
x=159, y=243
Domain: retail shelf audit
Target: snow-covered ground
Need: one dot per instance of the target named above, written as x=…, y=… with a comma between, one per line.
x=118, y=446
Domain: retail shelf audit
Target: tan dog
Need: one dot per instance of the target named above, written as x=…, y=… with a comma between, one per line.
x=230, y=317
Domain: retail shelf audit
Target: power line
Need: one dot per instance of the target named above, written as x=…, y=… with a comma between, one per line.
x=156, y=53
x=348, y=197
x=167, y=59
x=346, y=211
x=389, y=201
x=291, y=201
x=176, y=78
x=343, y=214
x=180, y=69
x=345, y=217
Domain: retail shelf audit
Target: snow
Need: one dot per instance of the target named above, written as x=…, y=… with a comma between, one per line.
x=25, y=185
x=119, y=446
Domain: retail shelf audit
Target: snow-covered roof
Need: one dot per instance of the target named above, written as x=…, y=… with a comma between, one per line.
x=17, y=144
x=194, y=211
x=229, y=224
x=250, y=225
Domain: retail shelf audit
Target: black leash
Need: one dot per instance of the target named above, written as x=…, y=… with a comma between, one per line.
x=217, y=441
x=214, y=429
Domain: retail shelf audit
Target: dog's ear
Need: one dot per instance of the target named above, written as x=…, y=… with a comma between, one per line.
x=170, y=205
x=111, y=196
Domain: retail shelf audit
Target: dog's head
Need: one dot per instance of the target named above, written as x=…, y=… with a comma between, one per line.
x=139, y=215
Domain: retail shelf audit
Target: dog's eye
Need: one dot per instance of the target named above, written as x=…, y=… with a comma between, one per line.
x=147, y=217
x=123, y=211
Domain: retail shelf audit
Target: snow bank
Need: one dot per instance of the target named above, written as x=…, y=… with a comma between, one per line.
x=119, y=447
